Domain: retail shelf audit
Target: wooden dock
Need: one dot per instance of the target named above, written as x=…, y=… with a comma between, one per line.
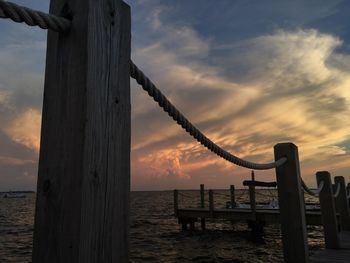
x=341, y=255
x=268, y=216
x=333, y=215
x=83, y=196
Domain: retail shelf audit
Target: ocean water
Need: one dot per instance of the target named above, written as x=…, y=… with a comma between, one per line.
x=156, y=235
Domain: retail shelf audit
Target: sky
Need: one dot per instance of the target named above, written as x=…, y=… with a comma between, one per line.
x=249, y=74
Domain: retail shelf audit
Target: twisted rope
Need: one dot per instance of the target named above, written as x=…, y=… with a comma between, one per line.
x=173, y=112
x=337, y=191
x=31, y=17
x=312, y=192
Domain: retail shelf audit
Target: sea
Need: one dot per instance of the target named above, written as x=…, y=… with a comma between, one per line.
x=156, y=236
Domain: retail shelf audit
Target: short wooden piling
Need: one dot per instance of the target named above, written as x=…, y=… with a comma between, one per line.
x=252, y=196
x=211, y=202
x=341, y=203
x=329, y=218
x=292, y=206
x=232, y=196
x=176, y=201
x=202, y=205
x=348, y=193
x=82, y=206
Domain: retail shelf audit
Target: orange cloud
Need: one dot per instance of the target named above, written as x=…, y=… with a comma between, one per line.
x=25, y=129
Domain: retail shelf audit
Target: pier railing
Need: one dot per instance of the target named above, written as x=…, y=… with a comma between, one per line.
x=82, y=207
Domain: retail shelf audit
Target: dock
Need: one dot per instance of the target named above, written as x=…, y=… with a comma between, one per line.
x=82, y=209
x=341, y=255
x=332, y=213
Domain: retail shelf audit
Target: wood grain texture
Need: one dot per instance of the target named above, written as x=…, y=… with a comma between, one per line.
x=341, y=203
x=348, y=192
x=329, y=218
x=334, y=255
x=292, y=206
x=82, y=208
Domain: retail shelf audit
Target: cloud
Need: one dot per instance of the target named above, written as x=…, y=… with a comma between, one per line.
x=25, y=129
x=246, y=84
x=283, y=86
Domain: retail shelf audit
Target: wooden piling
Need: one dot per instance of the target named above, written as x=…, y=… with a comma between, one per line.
x=341, y=203
x=211, y=202
x=202, y=205
x=329, y=218
x=232, y=195
x=348, y=193
x=176, y=201
x=252, y=196
x=292, y=206
x=82, y=206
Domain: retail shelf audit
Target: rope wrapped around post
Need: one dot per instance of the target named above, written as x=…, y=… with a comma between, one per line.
x=31, y=17
x=337, y=191
x=21, y=14
x=312, y=192
x=173, y=112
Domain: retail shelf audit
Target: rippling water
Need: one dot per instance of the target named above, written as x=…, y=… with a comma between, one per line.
x=155, y=234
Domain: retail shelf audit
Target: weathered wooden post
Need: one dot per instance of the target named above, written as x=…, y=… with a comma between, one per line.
x=211, y=203
x=202, y=205
x=292, y=206
x=341, y=203
x=82, y=206
x=329, y=217
x=252, y=196
x=232, y=195
x=348, y=193
x=176, y=202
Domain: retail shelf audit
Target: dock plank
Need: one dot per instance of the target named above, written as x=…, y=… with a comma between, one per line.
x=341, y=255
x=269, y=216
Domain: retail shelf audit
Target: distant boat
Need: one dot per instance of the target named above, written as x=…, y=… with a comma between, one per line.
x=13, y=195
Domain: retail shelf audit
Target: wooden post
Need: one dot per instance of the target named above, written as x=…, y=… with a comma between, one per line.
x=176, y=202
x=82, y=206
x=348, y=193
x=252, y=196
x=292, y=206
x=341, y=203
x=329, y=217
x=211, y=203
x=202, y=205
x=233, y=198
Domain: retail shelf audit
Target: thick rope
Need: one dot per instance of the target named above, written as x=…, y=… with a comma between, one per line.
x=173, y=112
x=337, y=191
x=31, y=17
x=312, y=192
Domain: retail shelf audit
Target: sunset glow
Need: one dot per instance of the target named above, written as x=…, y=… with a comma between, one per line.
x=246, y=89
